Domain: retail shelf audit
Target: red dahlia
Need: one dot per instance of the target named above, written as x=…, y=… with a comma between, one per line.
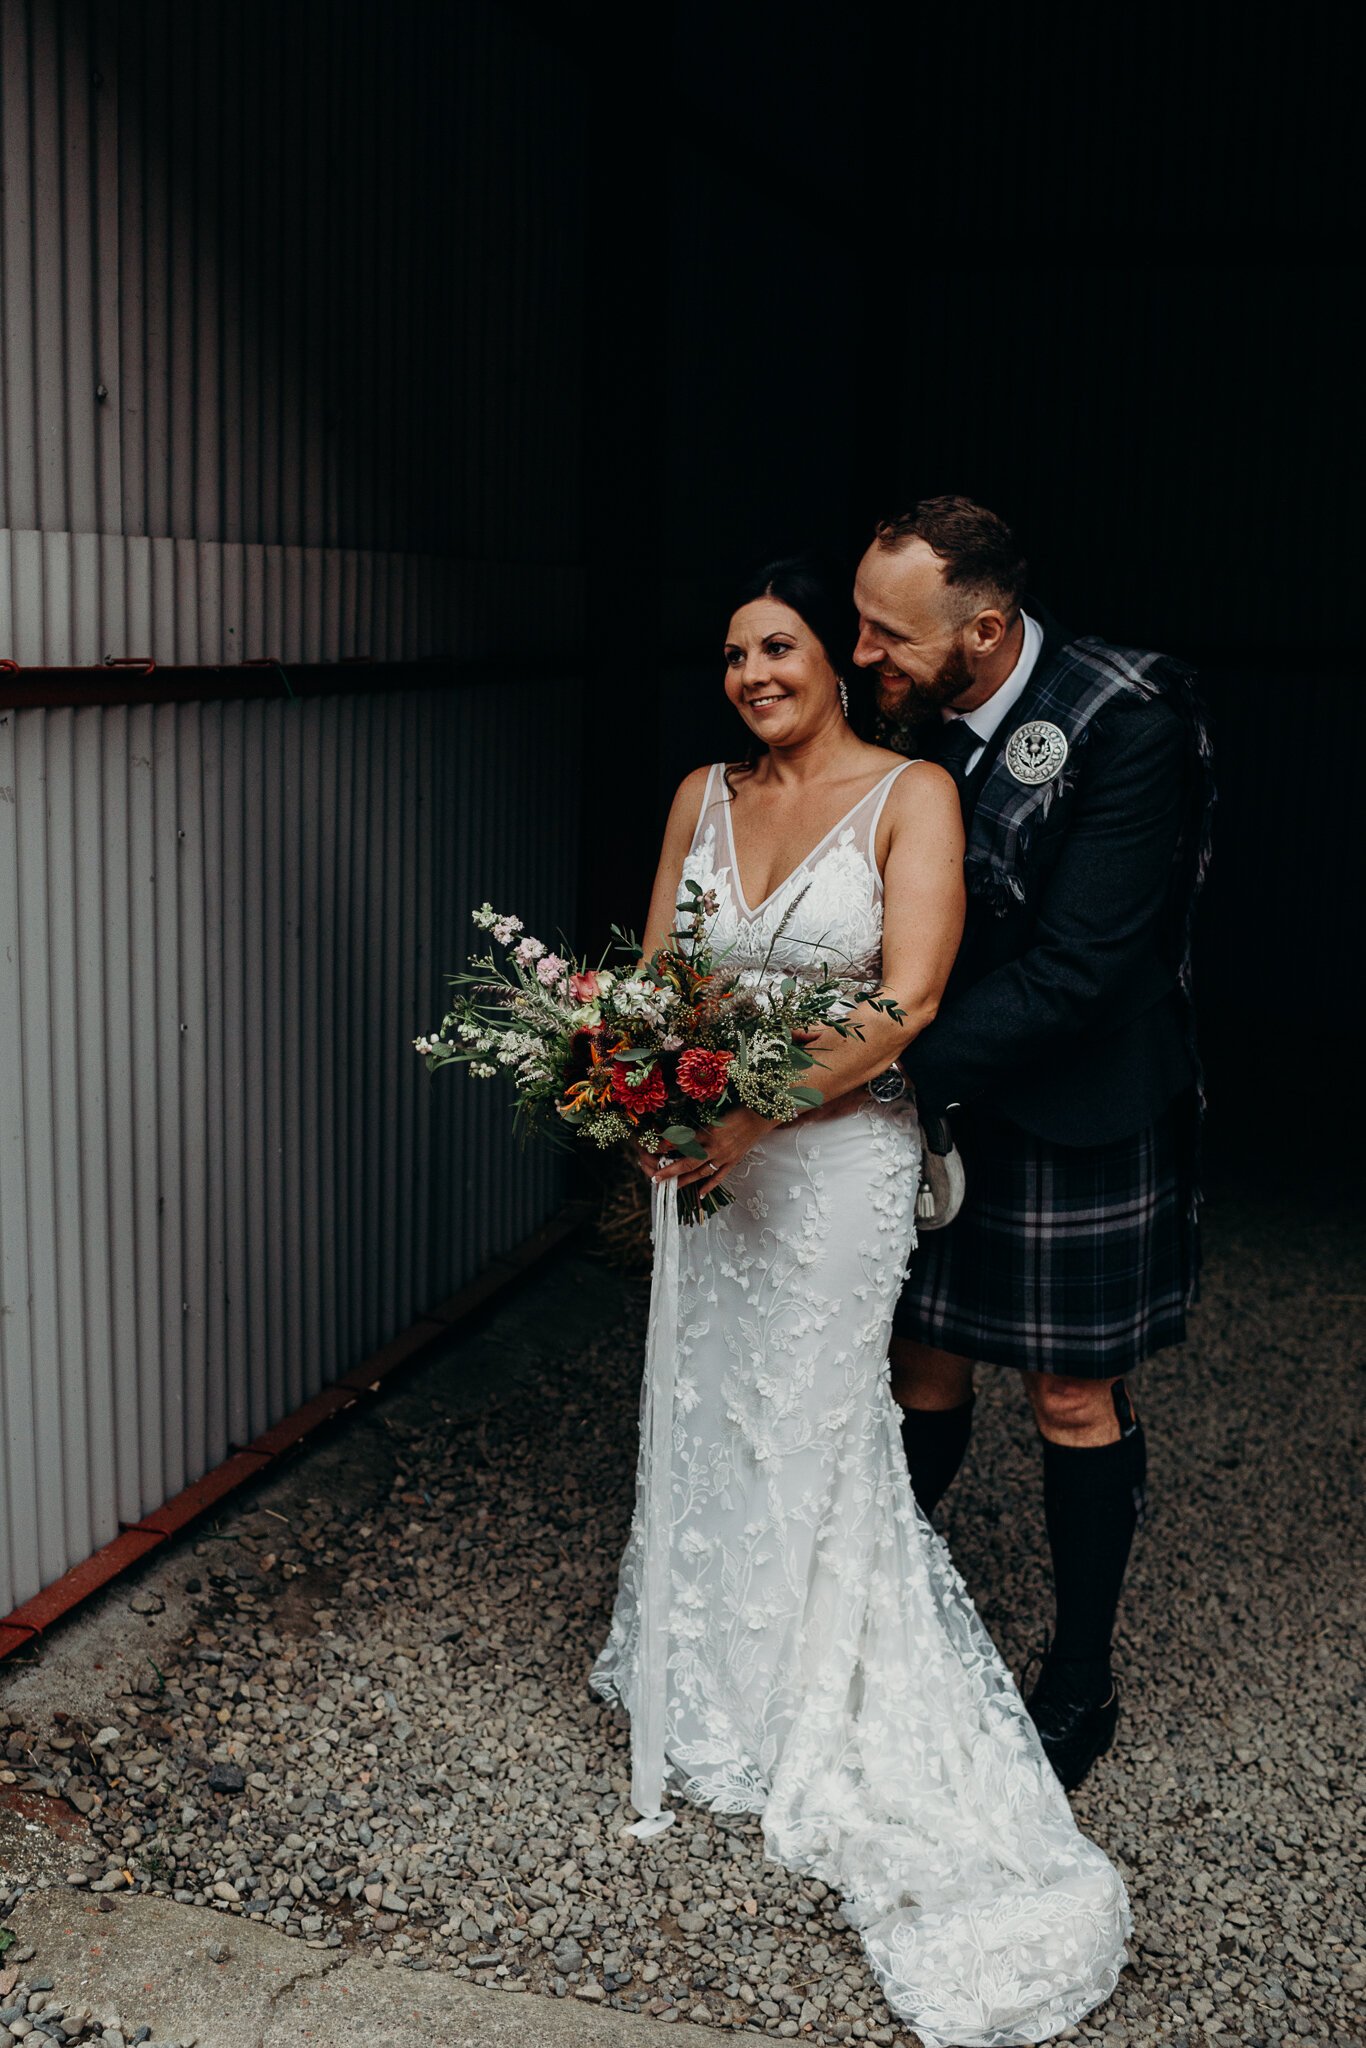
x=702, y=1075
x=634, y=1093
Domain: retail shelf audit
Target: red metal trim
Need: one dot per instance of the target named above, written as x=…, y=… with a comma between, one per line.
x=138, y=1540
x=23, y=688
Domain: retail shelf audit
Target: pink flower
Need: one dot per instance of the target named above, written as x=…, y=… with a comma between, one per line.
x=585, y=988
x=550, y=969
x=529, y=950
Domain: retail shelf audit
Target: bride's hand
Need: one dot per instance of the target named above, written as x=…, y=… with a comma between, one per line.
x=725, y=1145
x=646, y=1161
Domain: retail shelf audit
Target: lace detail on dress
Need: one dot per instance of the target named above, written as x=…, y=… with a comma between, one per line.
x=829, y=908
x=825, y=1666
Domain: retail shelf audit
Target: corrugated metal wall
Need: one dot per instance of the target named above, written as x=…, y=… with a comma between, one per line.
x=225, y=1177
x=70, y=599
x=290, y=331
x=290, y=365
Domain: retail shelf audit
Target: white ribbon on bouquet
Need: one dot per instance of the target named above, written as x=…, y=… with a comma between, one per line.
x=650, y=1711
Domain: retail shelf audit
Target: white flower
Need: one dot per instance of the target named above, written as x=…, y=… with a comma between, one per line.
x=640, y=999
x=483, y=1070
x=499, y=922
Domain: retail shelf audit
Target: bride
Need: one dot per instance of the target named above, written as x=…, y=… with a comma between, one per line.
x=790, y=1637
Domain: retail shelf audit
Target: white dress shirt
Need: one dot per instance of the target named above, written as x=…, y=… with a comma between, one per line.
x=987, y=717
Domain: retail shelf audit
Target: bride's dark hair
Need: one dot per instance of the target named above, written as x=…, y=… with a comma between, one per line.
x=806, y=586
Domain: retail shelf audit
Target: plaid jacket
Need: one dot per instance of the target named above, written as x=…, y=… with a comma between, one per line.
x=1069, y=1005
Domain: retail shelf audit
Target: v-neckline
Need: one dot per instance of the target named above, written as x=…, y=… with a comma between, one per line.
x=806, y=858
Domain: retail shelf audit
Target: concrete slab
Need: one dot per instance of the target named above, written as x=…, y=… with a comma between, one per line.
x=153, y=1962
x=361, y=2005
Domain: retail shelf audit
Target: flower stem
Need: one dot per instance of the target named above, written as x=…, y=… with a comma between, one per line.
x=695, y=1208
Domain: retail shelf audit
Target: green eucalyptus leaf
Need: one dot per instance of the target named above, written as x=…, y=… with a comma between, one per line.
x=685, y=1141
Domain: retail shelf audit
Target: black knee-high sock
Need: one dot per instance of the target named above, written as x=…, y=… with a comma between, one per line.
x=935, y=1440
x=1094, y=1499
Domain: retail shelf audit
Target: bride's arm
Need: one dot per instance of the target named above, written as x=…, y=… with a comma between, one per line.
x=923, y=907
x=924, y=901
x=683, y=815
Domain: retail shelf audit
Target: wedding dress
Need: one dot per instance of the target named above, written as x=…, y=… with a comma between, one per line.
x=790, y=1636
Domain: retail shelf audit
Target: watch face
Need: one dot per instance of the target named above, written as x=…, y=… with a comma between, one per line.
x=888, y=1087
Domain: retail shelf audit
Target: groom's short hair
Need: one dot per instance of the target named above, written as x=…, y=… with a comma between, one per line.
x=983, y=563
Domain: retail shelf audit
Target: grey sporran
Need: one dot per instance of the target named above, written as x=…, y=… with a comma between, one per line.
x=943, y=1182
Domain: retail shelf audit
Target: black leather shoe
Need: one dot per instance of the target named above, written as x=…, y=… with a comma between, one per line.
x=1076, y=1712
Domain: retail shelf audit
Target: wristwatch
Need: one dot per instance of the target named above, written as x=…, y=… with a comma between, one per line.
x=889, y=1086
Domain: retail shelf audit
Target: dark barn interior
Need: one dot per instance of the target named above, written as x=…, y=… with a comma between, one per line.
x=1093, y=268
x=601, y=310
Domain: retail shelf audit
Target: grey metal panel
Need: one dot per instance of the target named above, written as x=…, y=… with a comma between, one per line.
x=332, y=304
x=40, y=1135
x=288, y=367
x=224, y=1175
x=18, y=1539
x=71, y=599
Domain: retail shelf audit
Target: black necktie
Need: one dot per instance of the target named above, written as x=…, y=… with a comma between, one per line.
x=956, y=749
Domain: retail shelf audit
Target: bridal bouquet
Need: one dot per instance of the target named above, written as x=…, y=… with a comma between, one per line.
x=650, y=1055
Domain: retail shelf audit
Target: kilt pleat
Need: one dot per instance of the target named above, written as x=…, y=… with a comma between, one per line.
x=1075, y=1260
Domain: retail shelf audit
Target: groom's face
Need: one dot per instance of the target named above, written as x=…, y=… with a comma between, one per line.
x=911, y=633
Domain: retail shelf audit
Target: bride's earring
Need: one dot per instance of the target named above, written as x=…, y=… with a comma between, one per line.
x=844, y=695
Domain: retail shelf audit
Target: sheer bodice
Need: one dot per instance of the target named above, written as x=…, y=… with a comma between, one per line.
x=790, y=1636
x=829, y=907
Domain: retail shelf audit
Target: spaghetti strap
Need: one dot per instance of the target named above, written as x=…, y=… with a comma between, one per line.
x=886, y=788
x=709, y=800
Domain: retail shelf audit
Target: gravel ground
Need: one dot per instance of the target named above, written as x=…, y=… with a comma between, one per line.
x=377, y=1732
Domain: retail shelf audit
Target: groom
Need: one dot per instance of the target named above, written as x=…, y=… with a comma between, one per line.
x=1063, y=1048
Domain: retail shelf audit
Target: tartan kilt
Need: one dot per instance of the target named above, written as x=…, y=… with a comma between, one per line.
x=1076, y=1260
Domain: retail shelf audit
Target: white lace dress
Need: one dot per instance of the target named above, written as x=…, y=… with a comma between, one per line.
x=790, y=1636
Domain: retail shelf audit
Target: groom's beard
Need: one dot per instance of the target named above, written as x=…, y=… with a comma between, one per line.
x=900, y=720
